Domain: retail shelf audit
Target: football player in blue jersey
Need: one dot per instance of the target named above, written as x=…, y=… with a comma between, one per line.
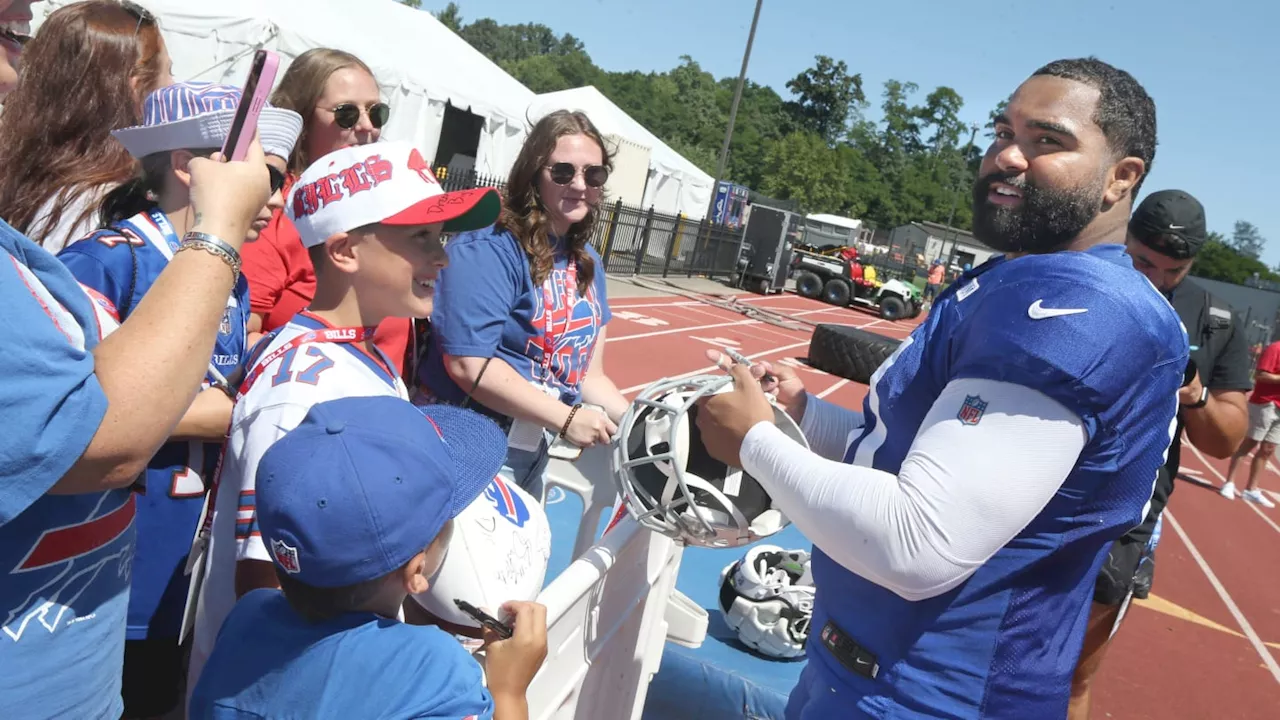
x=960, y=519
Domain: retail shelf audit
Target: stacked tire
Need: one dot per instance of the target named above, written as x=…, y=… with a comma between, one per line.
x=849, y=352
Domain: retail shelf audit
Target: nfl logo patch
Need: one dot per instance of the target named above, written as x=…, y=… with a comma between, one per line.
x=972, y=409
x=224, y=327
x=286, y=557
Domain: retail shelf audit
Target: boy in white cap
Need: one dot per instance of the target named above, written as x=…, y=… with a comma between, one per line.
x=371, y=217
x=357, y=505
x=118, y=265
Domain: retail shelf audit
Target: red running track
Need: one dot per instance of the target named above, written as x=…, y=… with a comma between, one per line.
x=1205, y=645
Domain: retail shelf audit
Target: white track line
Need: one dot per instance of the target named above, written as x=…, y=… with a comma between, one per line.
x=670, y=331
x=832, y=389
x=709, y=368
x=654, y=305
x=1267, y=658
x=1223, y=478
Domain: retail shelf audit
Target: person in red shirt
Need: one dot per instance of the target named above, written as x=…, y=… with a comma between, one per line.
x=1264, y=428
x=337, y=96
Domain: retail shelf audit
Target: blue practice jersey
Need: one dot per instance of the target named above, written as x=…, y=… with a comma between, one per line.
x=1088, y=331
x=122, y=263
x=269, y=662
x=486, y=305
x=64, y=559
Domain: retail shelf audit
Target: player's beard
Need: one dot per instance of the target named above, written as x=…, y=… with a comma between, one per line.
x=1046, y=220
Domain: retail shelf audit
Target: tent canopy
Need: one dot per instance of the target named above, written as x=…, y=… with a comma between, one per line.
x=419, y=63
x=676, y=185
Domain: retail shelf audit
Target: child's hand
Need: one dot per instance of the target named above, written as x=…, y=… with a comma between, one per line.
x=511, y=664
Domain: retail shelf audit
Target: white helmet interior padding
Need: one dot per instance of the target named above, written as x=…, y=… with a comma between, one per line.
x=767, y=599
x=671, y=484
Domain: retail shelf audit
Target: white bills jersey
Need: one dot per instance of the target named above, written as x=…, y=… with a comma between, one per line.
x=295, y=370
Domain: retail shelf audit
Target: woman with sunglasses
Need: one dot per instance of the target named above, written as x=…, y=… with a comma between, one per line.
x=84, y=76
x=338, y=98
x=530, y=292
x=121, y=262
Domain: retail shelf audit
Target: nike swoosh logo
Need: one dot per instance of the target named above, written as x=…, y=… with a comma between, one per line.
x=1036, y=312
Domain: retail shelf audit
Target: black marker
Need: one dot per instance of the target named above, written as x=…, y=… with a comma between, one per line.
x=742, y=360
x=484, y=618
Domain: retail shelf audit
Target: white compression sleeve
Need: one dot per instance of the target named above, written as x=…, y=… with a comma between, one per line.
x=963, y=492
x=829, y=427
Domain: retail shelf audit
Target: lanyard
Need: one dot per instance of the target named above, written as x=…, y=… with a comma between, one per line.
x=323, y=335
x=548, y=303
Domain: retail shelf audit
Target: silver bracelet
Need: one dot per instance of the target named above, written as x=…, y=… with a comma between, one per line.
x=214, y=245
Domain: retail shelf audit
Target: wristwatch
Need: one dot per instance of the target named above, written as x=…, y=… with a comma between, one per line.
x=1204, y=399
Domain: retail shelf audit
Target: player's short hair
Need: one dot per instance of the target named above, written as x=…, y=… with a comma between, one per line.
x=1125, y=113
x=317, y=605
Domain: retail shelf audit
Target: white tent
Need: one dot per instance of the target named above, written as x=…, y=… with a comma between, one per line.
x=420, y=64
x=675, y=186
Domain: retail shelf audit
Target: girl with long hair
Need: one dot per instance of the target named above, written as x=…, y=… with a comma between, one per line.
x=531, y=293
x=338, y=98
x=83, y=76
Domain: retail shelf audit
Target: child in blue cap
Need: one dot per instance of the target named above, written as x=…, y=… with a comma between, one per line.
x=356, y=507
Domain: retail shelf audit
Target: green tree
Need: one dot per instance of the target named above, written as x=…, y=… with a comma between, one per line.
x=1218, y=260
x=415, y=4
x=825, y=96
x=1247, y=240
x=450, y=16
x=803, y=168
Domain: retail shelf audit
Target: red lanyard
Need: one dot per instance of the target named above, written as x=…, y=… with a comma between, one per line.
x=548, y=303
x=323, y=335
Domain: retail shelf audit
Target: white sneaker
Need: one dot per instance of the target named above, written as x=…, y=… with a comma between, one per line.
x=1256, y=496
x=1228, y=491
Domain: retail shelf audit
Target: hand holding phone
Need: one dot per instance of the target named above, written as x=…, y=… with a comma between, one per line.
x=244, y=127
x=568, y=447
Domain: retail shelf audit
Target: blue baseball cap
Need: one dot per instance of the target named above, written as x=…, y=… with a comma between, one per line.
x=363, y=484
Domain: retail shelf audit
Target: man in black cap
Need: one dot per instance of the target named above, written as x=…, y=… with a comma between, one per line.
x=1165, y=234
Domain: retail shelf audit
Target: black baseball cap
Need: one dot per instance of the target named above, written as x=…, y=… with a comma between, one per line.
x=1171, y=222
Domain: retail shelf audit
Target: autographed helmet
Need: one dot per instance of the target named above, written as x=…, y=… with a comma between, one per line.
x=767, y=599
x=671, y=484
x=499, y=551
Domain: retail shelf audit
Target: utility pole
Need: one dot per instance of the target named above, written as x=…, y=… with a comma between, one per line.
x=955, y=199
x=733, y=115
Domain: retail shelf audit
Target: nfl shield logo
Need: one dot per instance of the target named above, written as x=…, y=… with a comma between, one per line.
x=224, y=327
x=286, y=557
x=972, y=409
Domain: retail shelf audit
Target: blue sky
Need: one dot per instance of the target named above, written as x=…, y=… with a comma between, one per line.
x=1213, y=66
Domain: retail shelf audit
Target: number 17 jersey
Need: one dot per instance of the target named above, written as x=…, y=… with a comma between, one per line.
x=278, y=399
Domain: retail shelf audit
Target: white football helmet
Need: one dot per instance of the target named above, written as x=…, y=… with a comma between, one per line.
x=670, y=484
x=767, y=598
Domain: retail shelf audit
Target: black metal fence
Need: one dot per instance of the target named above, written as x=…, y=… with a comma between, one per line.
x=635, y=241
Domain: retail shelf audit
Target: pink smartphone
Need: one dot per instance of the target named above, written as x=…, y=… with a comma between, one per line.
x=262, y=76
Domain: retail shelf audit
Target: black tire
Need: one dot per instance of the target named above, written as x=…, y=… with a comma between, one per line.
x=892, y=308
x=917, y=307
x=808, y=285
x=836, y=292
x=848, y=352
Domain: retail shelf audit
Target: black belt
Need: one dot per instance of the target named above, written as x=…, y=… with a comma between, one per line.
x=853, y=656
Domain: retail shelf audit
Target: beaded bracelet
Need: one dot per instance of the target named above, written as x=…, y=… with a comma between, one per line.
x=214, y=245
x=569, y=420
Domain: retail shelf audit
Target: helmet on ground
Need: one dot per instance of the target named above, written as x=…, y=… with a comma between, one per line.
x=767, y=599
x=499, y=551
x=671, y=484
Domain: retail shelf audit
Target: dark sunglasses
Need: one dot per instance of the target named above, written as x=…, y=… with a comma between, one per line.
x=348, y=114
x=563, y=173
x=277, y=179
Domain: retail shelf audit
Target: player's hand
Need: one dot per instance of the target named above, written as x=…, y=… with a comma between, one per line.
x=227, y=197
x=783, y=383
x=590, y=427
x=511, y=664
x=1191, y=392
x=725, y=418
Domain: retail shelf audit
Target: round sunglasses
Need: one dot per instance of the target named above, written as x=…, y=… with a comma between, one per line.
x=348, y=114
x=563, y=173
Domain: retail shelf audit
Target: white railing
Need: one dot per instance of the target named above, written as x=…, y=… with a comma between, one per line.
x=611, y=611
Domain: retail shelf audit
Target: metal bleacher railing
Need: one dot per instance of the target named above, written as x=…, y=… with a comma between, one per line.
x=635, y=241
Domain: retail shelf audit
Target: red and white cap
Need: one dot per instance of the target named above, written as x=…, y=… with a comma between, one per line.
x=383, y=182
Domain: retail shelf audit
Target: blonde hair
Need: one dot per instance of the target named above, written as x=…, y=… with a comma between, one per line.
x=303, y=86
